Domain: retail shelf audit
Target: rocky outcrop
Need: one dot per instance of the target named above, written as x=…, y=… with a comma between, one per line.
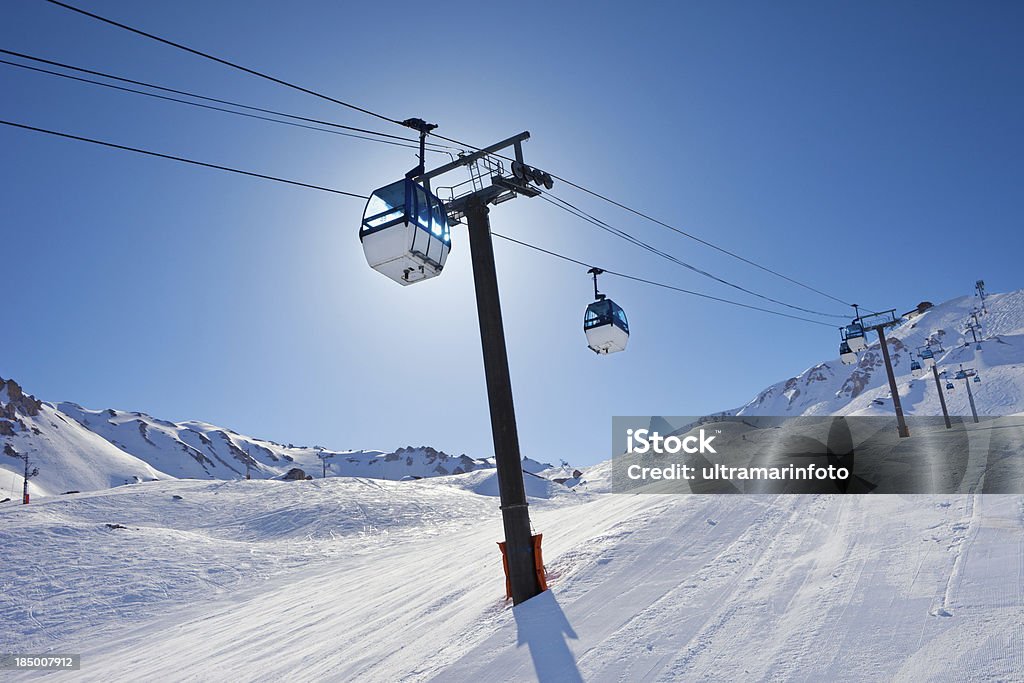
x=13, y=401
x=444, y=464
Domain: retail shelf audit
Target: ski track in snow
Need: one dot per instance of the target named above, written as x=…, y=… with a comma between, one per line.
x=283, y=581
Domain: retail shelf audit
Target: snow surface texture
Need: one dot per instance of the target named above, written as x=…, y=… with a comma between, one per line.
x=359, y=579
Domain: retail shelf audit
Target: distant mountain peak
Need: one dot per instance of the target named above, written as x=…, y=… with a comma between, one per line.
x=14, y=400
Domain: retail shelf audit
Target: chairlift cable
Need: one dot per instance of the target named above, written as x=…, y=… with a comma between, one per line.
x=410, y=144
x=698, y=239
x=570, y=208
x=181, y=159
x=650, y=218
x=400, y=123
x=655, y=283
x=220, y=60
x=359, y=196
x=206, y=98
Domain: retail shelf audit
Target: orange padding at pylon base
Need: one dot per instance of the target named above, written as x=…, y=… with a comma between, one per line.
x=538, y=562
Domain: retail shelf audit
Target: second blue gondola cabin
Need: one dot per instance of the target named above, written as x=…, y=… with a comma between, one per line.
x=606, y=327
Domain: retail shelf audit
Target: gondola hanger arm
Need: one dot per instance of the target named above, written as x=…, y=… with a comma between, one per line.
x=424, y=128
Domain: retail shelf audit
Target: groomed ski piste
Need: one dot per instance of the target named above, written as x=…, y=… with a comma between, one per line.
x=369, y=579
x=356, y=579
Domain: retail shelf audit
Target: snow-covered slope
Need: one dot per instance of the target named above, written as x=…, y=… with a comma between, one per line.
x=68, y=456
x=831, y=388
x=359, y=579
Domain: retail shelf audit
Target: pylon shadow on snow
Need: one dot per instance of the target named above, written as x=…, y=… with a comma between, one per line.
x=542, y=626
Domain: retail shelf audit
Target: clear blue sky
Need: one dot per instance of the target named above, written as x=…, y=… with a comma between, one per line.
x=871, y=149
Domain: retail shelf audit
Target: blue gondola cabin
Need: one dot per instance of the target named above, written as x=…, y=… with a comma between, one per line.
x=846, y=355
x=605, y=326
x=854, y=337
x=405, y=232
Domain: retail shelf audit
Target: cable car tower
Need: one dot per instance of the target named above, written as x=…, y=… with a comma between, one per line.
x=966, y=374
x=405, y=235
x=979, y=291
x=927, y=356
x=973, y=327
x=878, y=322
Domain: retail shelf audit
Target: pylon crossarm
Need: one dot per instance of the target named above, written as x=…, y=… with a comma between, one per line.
x=489, y=179
x=874, y=321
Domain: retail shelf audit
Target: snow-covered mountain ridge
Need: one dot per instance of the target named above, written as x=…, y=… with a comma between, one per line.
x=831, y=388
x=199, y=450
x=80, y=449
x=68, y=456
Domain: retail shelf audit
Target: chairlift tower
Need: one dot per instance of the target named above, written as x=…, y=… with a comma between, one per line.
x=942, y=397
x=28, y=474
x=979, y=291
x=249, y=461
x=974, y=328
x=966, y=374
x=878, y=322
x=927, y=355
x=323, y=460
x=405, y=234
